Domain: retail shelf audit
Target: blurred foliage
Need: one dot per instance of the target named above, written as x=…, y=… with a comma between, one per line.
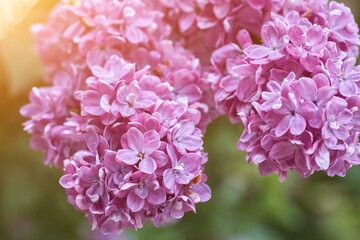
x=244, y=206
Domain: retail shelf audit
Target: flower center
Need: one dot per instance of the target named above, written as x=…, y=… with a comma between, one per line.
x=131, y=100
x=157, y=71
x=141, y=155
x=193, y=182
x=334, y=125
x=179, y=167
x=86, y=21
x=308, y=12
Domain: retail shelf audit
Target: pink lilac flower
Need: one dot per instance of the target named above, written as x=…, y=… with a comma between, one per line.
x=134, y=85
x=117, y=176
x=273, y=48
x=146, y=189
x=130, y=98
x=301, y=90
x=345, y=78
x=182, y=170
x=140, y=148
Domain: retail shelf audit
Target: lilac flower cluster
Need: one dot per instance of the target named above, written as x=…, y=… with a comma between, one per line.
x=134, y=84
x=124, y=115
x=78, y=39
x=214, y=23
x=144, y=155
x=297, y=94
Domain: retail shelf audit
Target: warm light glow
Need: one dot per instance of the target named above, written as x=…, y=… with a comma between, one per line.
x=12, y=12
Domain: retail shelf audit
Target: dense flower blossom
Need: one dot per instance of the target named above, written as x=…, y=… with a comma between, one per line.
x=134, y=85
x=295, y=93
x=129, y=169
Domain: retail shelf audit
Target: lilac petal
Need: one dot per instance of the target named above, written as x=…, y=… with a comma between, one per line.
x=243, y=38
x=128, y=186
x=321, y=80
x=191, y=162
x=134, y=89
x=257, y=51
x=105, y=103
x=88, y=175
x=127, y=156
x=342, y=133
x=355, y=76
x=308, y=110
x=147, y=165
x=317, y=120
x=297, y=125
x=151, y=142
x=169, y=178
x=202, y=190
x=172, y=154
x=75, y=30
x=221, y=10
x=146, y=100
x=336, y=105
x=348, y=66
x=80, y=202
x=345, y=117
x=295, y=34
x=134, y=34
x=282, y=150
x=275, y=55
x=108, y=119
x=186, y=128
x=283, y=126
x=244, y=70
x=142, y=192
x=67, y=181
x=109, y=226
x=177, y=212
x=182, y=178
x=156, y=197
x=92, y=139
x=192, y=143
x=325, y=94
x=322, y=158
x=286, y=107
x=186, y=21
x=192, y=92
x=206, y=23
x=160, y=158
x=348, y=88
x=301, y=160
x=134, y=202
x=257, y=4
x=306, y=88
x=229, y=83
x=258, y=157
x=96, y=208
x=123, y=109
x=315, y=35
x=332, y=68
x=247, y=89
x=266, y=168
x=135, y=140
x=269, y=35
